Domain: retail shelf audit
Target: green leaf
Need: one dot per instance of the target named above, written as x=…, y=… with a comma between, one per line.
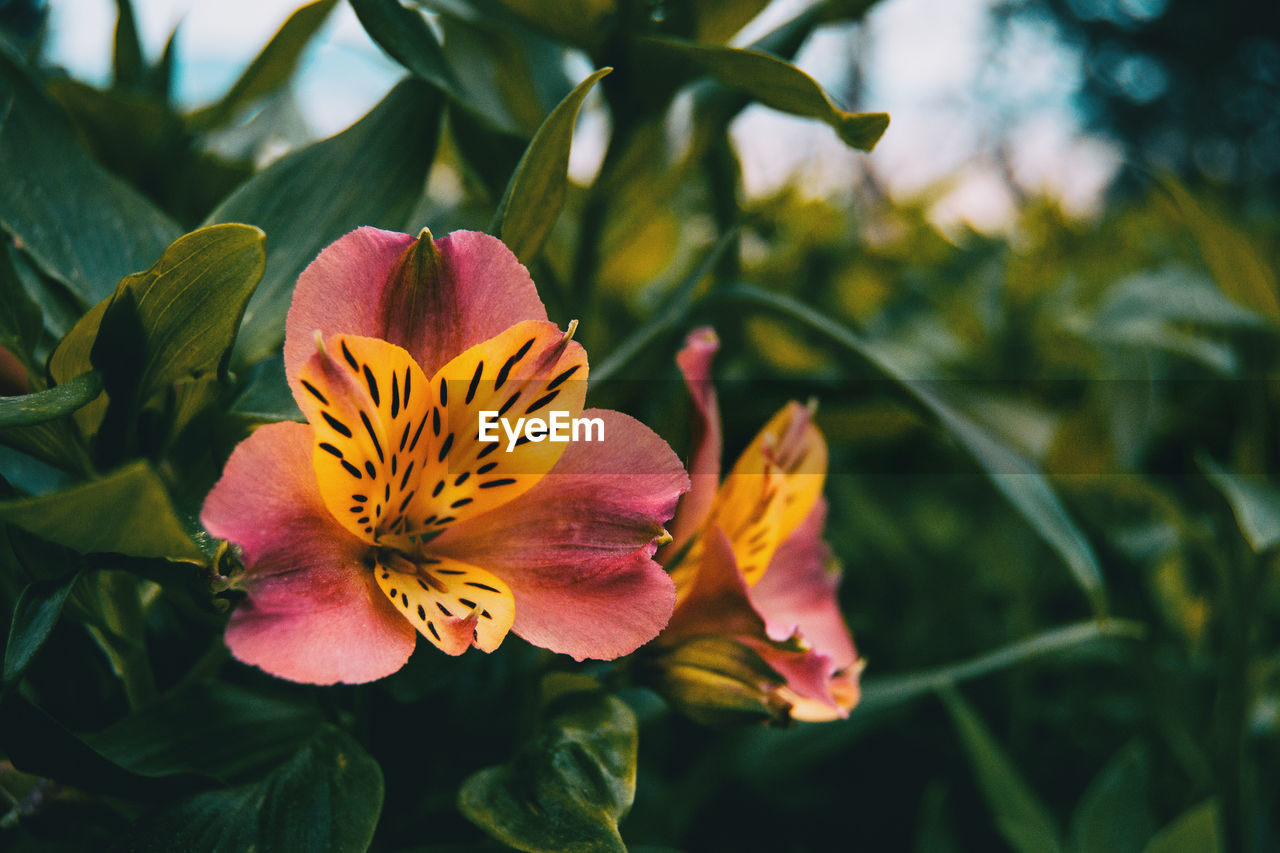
x=1253, y=499
x=497, y=70
x=327, y=797
x=1195, y=831
x=535, y=195
x=717, y=21
x=1239, y=270
x=567, y=787
x=1020, y=481
x=584, y=23
x=403, y=33
x=271, y=68
x=57, y=401
x=370, y=174
x=186, y=732
x=126, y=512
x=78, y=223
x=34, y=616
x=1019, y=815
x=1115, y=812
x=769, y=80
x=185, y=308
x=20, y=322
x=126, y=59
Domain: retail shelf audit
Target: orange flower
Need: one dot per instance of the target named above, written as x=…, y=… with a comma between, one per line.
x=748, y=558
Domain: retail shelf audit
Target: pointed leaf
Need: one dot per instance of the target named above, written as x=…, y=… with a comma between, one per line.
x=403, y=33
x=1019, y=815
x=127, y=61
x=535, y=195
x=370, y=174
x=771, y=81
x=34, y=616
x=271, y=68
x=1234, y=263
x=188, y=304
x=126, y=512
x=79, y=224
x=1254, y=500
x=1195, y=831
x=57, y=401
x=1115, y=812
x=567, y=788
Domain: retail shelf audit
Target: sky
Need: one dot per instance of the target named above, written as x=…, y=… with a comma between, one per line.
x=954, y=98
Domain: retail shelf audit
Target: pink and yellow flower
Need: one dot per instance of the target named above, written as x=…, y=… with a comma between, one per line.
x=749, y=562
x=386, y=518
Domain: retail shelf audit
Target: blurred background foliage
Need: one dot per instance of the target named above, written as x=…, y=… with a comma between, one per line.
x=1053, y=443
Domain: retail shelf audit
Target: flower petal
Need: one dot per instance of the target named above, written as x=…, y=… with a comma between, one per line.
x=576, y=549
x=798, y=592
x=363, y=284
x=339, y=292
x=313, y=612
x=704, y=462
x=453, y=605
x=772, y=487
x=527, y=371
x=717, y=602
x=368, y=404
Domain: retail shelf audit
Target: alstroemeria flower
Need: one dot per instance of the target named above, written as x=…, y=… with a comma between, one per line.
x=752, y=565
x=386, y=517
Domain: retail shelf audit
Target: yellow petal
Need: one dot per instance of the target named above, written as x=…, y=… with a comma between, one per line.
x=368, y=403
x=452, y=604
x=771, y=489
x=530, y=370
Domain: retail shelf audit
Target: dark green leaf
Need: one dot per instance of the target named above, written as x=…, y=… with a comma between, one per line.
x=34, y=616
x=271, y=68
x=187, y=306
x=126, y=512
x=327, y=797
x=1021, y=482
x=567, y=787
x=536, y=192
x=20, y=321
x=510, y=76
x=127, y=60
x=769, y=80
x=403, y=33
x=1254, y=500
x=1195, y=831
x=186, y=732
x=584, y=23
x=1115, y=813
x=80, y=224
x=1019, y=815
x=36, y=743
x=53, y=403
x=370, y=174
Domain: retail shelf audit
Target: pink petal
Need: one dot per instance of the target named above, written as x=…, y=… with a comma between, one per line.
x=313, y=612
x=339, y=292
x=482, y=291
x=704, y=463
x=797, y=592
x=718, y=602
x=577, y=548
